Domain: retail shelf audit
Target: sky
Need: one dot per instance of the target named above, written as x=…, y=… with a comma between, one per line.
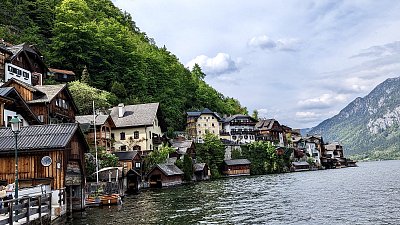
x=297, y=61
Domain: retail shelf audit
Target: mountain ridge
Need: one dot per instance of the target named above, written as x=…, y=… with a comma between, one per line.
x=368, y=126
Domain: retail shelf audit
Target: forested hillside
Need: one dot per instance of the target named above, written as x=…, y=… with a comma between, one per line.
x=119, y=57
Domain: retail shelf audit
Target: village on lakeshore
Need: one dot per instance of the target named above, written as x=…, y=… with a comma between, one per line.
x=53, y=160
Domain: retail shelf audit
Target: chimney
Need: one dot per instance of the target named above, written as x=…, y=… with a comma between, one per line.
x=121, y=110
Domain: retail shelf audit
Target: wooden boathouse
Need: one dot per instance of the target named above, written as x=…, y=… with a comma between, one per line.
x=236, y=167
x=47, y=154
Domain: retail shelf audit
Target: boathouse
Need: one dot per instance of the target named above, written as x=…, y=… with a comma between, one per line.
x=236, y=167
x=300, y=166
x=47, y=154
x=131, y=162
x=164, y=175
x=200, y=171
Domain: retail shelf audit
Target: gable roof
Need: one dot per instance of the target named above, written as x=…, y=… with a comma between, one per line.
x=135, y=115
x=49, y=91
x=21, y=83
x=126, y=155
x=233, y=162
x=39, y=137
x=182, y=146
x=19, y=105
x=204, y=111
x=229, y=119
x=199, y=167
x=168, y=169
x=266, y=124
x=68, y=72
x=100, y=119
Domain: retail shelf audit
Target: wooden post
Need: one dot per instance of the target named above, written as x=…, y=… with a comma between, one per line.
x=10, y=212
x=28, y=210
x=70, y=198
x=40, y=208
x=50, y=198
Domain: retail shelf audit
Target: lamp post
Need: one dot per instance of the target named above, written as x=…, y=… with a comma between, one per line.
x=16, y=127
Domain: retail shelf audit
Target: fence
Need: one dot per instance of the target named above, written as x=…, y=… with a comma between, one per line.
x=25, y=209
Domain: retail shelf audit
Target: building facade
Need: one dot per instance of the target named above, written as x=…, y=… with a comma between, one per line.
x=239, y=129
x=198, y=123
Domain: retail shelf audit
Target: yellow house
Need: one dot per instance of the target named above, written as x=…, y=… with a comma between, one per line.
x=200, y=122
x=137, y=127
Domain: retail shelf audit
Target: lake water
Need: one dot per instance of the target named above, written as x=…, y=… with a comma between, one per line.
x=368, y=194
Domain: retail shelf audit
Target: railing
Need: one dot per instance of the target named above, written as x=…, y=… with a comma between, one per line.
x=25, y=209
x=242, y=123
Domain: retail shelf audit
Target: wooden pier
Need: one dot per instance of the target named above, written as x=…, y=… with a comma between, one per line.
x=26, y=210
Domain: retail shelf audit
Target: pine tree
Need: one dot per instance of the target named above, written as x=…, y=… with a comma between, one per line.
x=85, y=76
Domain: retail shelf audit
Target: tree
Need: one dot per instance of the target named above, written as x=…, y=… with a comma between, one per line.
x=197, y=72
x=187, y=167
x=85, y=76
x=236, y=153
x=118, y=89
x=158, y=156
x=212, y=152
x=255, y=114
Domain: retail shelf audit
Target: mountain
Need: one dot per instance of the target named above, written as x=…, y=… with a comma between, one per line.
x=368, y=127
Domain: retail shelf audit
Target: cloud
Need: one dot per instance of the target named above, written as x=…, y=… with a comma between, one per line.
x=388, y=49
x=222, y=63
x=265, y=42
x=322, y=102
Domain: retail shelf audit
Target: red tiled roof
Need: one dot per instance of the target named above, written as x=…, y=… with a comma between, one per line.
x=68, y=72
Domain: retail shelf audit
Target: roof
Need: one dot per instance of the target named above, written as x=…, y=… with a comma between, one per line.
x=15, y=49
x=50, y=92
x=182, y=146
x=266, y=124
x=126, y=155
x=332, y=146
x=300, y=164
x=23, y=84
x=199, y=166
x=229, y=119
x=38, y=137
x=204, y=111
x=233, y=162
x=88, y=119
x=135, y=115
x=19, y=105
x=168, y=169
x=68, y=72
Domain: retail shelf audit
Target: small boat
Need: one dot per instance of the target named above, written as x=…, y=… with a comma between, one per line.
x=113, y=199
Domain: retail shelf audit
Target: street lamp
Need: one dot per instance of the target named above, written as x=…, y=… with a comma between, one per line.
x=16, y=127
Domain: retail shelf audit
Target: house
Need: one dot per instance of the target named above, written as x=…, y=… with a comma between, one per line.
x=62, y=76
x=104, y=124
x=299, y=166
x=50, y=103
x=200, y=172
x=270, y=130
x=132, y=164
x=183, y=147
x=332, y=156
x=239, y=129
x=314, y=146
x=50, y=155
x=236, y=167
x=137, y=127
x=200, y=122
x=12, y=104
x=164, y=175
x=22, y=62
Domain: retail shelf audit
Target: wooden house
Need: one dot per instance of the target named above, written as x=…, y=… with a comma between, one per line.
x=12, y=104
x=132, y=164
x=62, y=76
x=200, y=172
x=299, y=166
x=236, y=167
x=50, y=103
x=138, y=127
x=104, y=124
x=22, y=62
x=47, y=154
x=164, y=175
x=270, y=130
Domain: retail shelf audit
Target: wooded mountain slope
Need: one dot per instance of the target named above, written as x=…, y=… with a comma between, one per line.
x=368, y=127
x=119, y=57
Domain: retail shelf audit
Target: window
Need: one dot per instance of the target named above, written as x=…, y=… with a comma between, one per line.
x=112, y=136
x=199, y=124
x=25, y=75
x=205, y=124
x=212, y=124
x=212, y=117
x=234, y=137
x=65, y=76
x=150, y=135
x=122, y=136
x=136, y=135
x=151, y=147
x=245, y=137
x=137, y=165
x=199, y=131
x=123, y=148
x=41, y=118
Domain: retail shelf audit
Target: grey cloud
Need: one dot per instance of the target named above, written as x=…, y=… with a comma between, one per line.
x=264, y=42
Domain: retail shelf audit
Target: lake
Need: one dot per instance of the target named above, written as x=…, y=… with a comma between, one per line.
x=368, y=194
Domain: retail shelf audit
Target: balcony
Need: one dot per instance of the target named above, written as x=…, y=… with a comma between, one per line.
x=249, y=123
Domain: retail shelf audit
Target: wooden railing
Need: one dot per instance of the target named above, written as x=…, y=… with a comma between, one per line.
x=25, y=209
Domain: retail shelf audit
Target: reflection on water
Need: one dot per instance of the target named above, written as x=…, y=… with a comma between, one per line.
x=368, y=194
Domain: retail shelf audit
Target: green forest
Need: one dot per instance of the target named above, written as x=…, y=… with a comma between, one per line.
x=119, y=58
